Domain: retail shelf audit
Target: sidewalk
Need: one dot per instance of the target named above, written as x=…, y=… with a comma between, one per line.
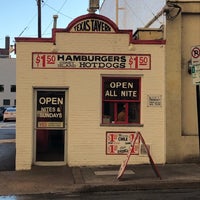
x=66, y=179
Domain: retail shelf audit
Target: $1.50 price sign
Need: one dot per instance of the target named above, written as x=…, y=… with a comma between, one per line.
x=92, y=61
x=44, y=60
x=140, y=61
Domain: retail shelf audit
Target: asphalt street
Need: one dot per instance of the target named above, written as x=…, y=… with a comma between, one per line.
x=173, y=194
x=4, y=125
x=7, y=146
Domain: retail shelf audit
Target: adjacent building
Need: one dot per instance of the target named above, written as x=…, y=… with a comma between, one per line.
x=7, y=76
x=182, y=121
x=7, y=82
x=5, y=52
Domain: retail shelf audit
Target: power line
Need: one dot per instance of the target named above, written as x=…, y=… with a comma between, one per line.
x=130, y=8
x=147, y=6
x=44, y=3
x=26, y=27
x=57, y=12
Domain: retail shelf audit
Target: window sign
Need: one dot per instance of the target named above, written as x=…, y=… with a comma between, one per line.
x=121, y=100
x=118, y=143
x=50, y=109
x=121, y=89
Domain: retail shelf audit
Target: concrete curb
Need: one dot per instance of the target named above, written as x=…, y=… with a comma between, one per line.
x=160, y=185
x=71, y=180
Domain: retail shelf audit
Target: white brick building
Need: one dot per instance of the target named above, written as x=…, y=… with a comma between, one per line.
x=71, y=87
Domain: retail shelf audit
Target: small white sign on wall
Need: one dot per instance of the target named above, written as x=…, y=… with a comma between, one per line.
x=154, y=100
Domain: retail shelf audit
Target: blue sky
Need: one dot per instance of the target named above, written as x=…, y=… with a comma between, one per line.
x=19, y=17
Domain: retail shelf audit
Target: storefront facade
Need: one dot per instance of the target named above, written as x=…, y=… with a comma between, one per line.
x=182, y=101
x=83, y=94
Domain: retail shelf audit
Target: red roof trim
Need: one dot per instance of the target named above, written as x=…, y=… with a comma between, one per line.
x=149, y=42
x=28, y=39
x=83, y=17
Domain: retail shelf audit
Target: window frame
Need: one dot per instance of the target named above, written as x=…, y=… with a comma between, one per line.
x=2, y=88
x=13, y=88
x=126, y=101
x=6, y=102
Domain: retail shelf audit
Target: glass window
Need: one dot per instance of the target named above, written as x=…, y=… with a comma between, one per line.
x=121, y=100
x=1, y=88
x=50, y=109
x=13, y=88
x=50, y=145
x=6, y=102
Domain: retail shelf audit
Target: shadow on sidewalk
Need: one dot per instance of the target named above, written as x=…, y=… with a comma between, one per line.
x=7, y=156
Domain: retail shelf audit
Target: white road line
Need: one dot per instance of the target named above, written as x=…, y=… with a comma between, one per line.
x=7, y=141
x=2, y=125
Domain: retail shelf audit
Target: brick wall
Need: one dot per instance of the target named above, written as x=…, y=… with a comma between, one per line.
x=86, y=138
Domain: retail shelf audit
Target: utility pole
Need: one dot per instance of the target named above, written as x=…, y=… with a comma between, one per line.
x=39, y=18
x=117, y=12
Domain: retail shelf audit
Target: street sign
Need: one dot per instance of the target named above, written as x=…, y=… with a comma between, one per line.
x=196, y=74
x=195, y=53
